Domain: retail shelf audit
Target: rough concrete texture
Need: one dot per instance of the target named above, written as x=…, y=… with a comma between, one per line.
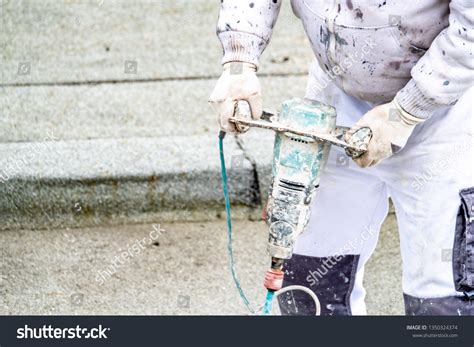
x=122, y=110
x=383, y=273
x=182, y=269
x=88, y=182
x=258, y=146
x=96, y=40
x=122, y=84
x=127, y=151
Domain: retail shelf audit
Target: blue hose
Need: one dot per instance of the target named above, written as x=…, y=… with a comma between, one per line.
x=267, y=308
x=229, y=225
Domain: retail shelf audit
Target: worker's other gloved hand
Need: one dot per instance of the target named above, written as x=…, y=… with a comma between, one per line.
x=238, y=82
x=391, y=127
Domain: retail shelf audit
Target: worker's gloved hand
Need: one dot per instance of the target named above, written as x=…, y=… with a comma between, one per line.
x=238, y=82
x=391, y=127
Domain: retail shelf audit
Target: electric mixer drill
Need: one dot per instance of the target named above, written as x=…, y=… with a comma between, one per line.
x=304, y=132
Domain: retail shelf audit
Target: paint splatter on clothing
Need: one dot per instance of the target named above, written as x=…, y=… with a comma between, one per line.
x=414, y=48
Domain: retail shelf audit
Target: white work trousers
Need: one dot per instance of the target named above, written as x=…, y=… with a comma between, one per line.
x=429, y=182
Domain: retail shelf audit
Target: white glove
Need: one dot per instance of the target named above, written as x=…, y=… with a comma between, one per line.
x=391, y=127
x=237, y=82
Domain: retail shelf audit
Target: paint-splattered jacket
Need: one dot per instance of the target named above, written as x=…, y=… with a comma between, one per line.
x=420, y=51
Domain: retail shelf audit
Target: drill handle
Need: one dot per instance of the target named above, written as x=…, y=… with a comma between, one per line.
x=359, y=139
x=242, y=112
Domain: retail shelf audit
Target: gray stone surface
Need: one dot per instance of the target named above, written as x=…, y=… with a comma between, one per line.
x=184, y=270
x=89, y=182
x=122, y=85
x=128, y=137
x=383, y=273
x=97, y=40
x=123, y=110
x=258, y=146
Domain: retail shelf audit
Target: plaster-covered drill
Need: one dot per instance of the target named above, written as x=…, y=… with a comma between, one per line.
x=304, y=131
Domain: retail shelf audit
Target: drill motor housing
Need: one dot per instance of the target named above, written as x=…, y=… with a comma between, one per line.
x=297, y=165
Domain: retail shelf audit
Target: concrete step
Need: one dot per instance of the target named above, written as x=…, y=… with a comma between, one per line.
x=95, y=40
x=122, y=110
x=79, y=183
x=58, y=184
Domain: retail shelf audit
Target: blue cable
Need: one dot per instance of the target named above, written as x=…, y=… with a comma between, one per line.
x=229, y=225
x=267, y=308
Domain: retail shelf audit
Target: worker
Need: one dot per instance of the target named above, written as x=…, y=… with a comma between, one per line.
x=405, y=70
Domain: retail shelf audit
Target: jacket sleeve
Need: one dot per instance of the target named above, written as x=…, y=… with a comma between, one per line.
x=245, y=28
x=446, y=70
